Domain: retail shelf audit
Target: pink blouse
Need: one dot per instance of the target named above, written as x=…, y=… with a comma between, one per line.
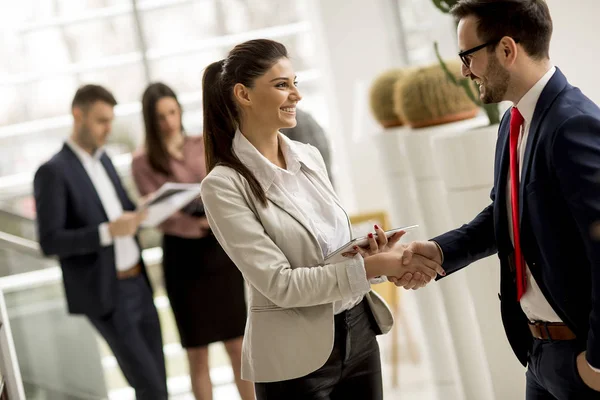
x=192, y=169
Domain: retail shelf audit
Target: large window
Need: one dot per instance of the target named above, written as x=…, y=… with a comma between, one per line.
x=422, y=25
x=51, y=47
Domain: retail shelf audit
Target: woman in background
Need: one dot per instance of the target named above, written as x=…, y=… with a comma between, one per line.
x=205, y=289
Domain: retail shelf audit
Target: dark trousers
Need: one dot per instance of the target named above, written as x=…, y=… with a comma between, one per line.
x=552, y=372
x=353, y=370
x=133, y=333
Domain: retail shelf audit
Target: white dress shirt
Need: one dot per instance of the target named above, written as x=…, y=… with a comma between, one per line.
x=328, y=222
x=533, y=302
x=127, y=252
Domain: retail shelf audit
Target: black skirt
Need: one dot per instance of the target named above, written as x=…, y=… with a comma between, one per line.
x=205, y=289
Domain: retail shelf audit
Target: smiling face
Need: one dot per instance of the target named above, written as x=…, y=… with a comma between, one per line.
x=271, y=101
x=484, y=67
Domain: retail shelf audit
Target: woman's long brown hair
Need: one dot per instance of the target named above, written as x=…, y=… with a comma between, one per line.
x=245, y=63
x=158, y=156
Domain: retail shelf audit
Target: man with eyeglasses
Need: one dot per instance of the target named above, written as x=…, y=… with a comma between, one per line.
x=545, y=200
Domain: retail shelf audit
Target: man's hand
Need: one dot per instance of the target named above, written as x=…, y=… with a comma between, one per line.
x=127, y=224
x=424, y=252
x=590, y=377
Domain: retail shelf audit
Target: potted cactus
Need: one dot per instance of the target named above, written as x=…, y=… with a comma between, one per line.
x=381, y=98
x=426, y=97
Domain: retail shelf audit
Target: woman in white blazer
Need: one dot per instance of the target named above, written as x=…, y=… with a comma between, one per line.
x=311, y=327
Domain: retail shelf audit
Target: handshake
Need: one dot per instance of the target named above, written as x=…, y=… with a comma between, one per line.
x=422, y=260
x=411, y=265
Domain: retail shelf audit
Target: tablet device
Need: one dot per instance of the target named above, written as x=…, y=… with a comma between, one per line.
x=337, y=256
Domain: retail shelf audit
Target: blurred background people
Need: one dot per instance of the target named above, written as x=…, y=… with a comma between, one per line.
x=205, y=289
x=85, y=218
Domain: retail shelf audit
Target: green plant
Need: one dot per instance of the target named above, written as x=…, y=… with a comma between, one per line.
x=492, y=110
x=445, y=5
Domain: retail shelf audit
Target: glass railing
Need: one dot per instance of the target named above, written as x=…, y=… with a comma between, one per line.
x=57, y=354
x=60, y=356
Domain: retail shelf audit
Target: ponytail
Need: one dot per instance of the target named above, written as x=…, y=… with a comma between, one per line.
x=220, y=124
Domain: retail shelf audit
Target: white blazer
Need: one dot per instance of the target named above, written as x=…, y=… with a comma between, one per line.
x=290, y=327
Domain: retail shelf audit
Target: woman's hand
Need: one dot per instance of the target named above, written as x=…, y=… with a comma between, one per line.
x=381, y=244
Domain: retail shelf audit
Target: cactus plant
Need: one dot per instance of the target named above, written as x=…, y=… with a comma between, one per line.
x=426, y=97
x=381, y=98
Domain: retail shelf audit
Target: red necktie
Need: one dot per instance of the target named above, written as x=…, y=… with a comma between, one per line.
x=516, y=120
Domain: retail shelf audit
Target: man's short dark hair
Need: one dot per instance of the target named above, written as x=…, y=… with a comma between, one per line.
x=527, y=21
x=89, y=94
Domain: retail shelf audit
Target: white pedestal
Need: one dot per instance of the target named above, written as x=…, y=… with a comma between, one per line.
x=465, y=163
x=399, y=180
x=406, y=209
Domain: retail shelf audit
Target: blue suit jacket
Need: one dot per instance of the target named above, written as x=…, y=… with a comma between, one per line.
x=559, y=201
x=69, y=212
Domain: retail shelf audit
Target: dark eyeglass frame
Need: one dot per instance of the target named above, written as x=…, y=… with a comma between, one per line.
x=464, y=55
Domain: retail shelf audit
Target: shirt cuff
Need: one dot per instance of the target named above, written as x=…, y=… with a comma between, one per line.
x=105, y=236
x=378, y=279
x=357, y=276
x=440, y=250
x=595, y=369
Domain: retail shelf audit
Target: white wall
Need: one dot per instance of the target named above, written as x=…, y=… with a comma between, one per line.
x=360, y=40
x=575, y=47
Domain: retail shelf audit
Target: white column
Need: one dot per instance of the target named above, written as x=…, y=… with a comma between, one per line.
x=462, y=324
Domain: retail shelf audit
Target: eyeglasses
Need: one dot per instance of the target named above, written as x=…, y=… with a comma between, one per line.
x=467, y=55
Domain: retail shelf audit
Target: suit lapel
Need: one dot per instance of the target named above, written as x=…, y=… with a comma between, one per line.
x=276, y=195
x=556, y=85
x=83, y=177
x=501, y=184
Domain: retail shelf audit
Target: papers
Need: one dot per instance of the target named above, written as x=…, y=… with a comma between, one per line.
x=166, y=201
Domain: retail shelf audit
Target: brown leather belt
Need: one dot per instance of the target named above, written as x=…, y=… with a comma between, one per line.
x=131, y=272
x=551, y=331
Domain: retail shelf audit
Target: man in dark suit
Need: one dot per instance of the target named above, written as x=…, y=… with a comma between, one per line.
x=545, y=200
x=85, y=217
